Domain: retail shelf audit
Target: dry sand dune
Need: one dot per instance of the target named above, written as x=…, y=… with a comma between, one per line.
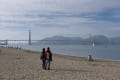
x=25, y=65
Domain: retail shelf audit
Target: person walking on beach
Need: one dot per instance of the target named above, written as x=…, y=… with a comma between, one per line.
x=43, y=58
x=48, y=59
x=90, y=58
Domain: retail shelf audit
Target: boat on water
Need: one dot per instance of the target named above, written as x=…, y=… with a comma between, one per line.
x=93, y=44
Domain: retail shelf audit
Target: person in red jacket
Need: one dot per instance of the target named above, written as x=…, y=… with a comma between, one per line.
x=48, y=58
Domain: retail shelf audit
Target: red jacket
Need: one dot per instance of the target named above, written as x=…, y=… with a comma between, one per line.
x=48, y=55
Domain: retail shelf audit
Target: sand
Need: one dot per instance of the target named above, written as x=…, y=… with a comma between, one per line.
x=26, y=65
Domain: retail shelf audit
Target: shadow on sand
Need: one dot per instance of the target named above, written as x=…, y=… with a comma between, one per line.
x=71, y=70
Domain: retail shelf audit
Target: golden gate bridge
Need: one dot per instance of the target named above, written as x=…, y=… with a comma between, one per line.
x=29, y=41
x=5, y=42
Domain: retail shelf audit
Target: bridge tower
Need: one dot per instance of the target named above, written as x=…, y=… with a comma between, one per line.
x=29, y=37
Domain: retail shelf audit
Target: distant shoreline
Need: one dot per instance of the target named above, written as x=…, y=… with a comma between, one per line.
x=58, y=54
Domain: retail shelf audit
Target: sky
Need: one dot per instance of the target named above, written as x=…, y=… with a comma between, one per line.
x=46, y=18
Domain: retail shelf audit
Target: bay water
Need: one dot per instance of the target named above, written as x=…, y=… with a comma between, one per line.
x=107, y=52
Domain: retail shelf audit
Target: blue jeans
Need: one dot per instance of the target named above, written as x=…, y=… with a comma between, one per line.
x=47, y=64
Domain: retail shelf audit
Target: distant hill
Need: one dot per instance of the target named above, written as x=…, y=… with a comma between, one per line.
x=100, y=39
x=97, y=39
x=115, y=40
x=62, y=40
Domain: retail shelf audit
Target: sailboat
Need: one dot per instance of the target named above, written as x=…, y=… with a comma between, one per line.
x=93, y=44
x=91, y=40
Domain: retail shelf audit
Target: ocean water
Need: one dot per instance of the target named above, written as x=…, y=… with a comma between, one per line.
x=109, y=52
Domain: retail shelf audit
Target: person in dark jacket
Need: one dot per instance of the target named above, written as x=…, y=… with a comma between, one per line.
x=48, y=59
x=43, y=58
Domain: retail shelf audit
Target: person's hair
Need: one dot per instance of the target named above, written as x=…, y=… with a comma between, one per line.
x=43, y=49
x=48, y=48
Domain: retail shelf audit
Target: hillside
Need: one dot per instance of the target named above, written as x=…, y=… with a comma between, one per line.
x=97, y=39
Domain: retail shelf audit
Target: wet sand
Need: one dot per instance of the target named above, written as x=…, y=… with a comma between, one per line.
x=26, y=65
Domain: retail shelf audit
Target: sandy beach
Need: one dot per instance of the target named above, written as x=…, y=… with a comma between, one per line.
x=26, y=65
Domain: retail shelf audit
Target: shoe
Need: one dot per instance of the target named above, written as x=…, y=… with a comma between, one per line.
x=48, y=68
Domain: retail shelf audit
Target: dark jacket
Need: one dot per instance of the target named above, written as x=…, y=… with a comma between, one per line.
x=43, y=57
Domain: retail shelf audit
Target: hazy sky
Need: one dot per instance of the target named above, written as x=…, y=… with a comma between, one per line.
x=58, y=17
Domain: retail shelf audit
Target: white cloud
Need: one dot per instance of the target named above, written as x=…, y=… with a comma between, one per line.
x=12, y=34
x=72, y=20
x=13, y=15
x=76, y=31
x=80, y=6
x=40, y=32
x=116, y=28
